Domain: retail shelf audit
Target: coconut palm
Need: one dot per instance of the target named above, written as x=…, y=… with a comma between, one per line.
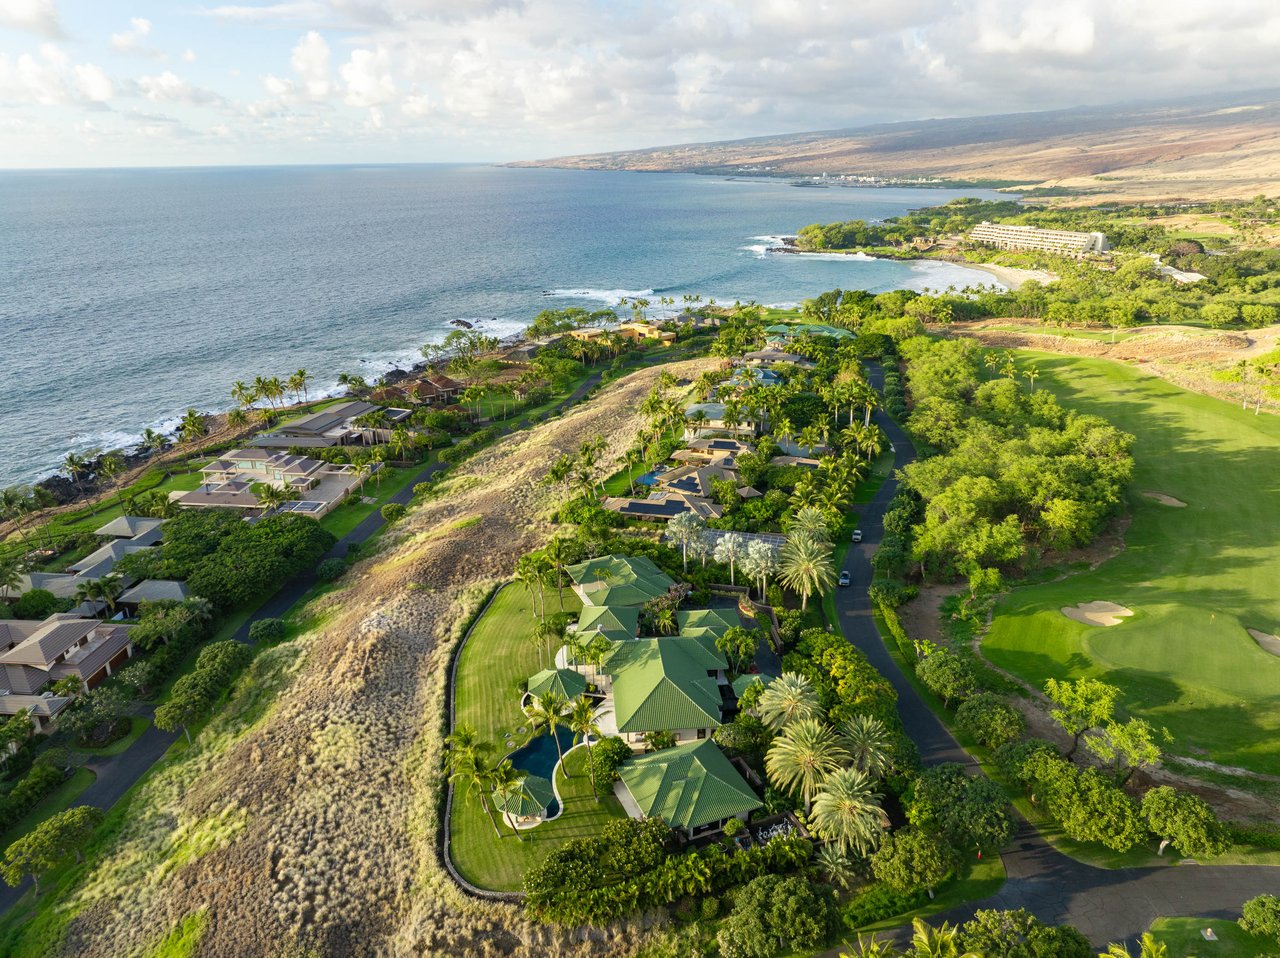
x=244, y=394
x=271, y=497
x=110, y=465
x=192, y=428
x=557, y=550
x=868, y=742
x=847, y=811
x=548, y=711
x=10, y=578
x=731, y=548
x=788, y=699
x=806, y=568
x=467, y=762
x=1148, y=947
x=803, y=756
x=505, y=781
x=298, y=383
x=154, y=442
x=110, y=587
x=582, y=721
x=274, y=390
x=811, y=523
x=683, y=530
x=88, y=593
x=940, y=942
x=237, y=418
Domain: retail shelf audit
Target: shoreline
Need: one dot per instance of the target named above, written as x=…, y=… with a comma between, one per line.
x=1014, y=277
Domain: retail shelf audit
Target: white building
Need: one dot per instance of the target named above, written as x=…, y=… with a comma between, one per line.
x=1066, y=242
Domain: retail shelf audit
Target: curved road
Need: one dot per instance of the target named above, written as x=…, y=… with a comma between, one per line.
x=1105, y=904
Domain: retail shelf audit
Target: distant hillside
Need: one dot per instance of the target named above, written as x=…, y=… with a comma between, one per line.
x=1214, y=146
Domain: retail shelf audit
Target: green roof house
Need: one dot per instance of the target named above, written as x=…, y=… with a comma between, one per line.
x=527, y=803
x=690, y=787
x=614, y=622
x=670, y=684
x=715, y=622
x=567, y=682
x=618, y=580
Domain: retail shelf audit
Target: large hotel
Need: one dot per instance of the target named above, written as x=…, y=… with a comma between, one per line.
x=1031, y=237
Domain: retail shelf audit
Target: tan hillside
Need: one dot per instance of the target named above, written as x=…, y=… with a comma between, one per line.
x=1225, y=146
x=311, y=829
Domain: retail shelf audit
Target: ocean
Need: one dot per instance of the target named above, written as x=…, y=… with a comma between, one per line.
x=127, y=296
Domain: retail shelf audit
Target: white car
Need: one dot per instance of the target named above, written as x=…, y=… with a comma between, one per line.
x=844, y=578
x=857, y=536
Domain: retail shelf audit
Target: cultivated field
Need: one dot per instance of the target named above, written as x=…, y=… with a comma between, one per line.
x=1196, y=577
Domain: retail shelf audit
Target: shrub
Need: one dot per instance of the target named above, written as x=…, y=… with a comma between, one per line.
x=36, y=604
x=1262, y=917
x=770, y=910
x=34, y=786
x=330, y=569
x=990, y=720
x=879, y=902
x=911, y=859
x=1019, y=934
x=607, y=755
x=947, y=676
x=1185, y=821
x=393, y=512
x=267, y=630
x=223, y=660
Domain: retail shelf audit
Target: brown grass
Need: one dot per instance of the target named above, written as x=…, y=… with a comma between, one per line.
x=334, y=794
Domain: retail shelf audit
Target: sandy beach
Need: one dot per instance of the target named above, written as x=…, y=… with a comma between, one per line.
x=1011, y=276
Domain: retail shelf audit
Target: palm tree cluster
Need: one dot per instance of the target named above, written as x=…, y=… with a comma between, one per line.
x=273, y=390
x=834, y=770
x=805, y=565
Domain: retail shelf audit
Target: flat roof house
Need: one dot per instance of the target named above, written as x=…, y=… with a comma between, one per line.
x=692, y=787
x=333, y=426
x=636, y=331
x=767, y=357
x=663, y=506
x=705, y=417
x=228, y=482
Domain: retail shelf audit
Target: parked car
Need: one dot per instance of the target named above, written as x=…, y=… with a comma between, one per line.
x=857, y=535
x=844, y=578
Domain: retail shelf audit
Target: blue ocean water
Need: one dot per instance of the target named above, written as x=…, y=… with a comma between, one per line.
x=127, y=296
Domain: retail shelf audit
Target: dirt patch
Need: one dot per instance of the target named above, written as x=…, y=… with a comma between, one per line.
x=1097, y=613
x=339, y=789
x=922, y=616
x=1164, y=500
x=1266, y=641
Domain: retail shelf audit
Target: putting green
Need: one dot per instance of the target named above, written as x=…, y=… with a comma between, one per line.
x=1197, y=578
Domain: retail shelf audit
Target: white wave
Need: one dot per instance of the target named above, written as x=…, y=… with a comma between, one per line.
x=608, y=296
x=120, y=438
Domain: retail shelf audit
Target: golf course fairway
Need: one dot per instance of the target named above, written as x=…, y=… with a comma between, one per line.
x=1196, y=577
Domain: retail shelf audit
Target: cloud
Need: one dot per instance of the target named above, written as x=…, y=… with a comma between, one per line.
x=310, y=61
x=93, y=83
x=36, y=16
x=50, y=79
x=134, y=40
x=169, y=87
x=368, y=78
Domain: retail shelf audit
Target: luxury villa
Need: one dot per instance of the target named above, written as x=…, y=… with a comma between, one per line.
x=334, y=426
x=317, y=487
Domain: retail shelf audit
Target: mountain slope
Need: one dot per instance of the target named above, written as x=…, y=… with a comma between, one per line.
x=1213, y=146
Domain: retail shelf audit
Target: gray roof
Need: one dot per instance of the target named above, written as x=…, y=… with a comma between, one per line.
x=101, y=561
x=320, y=422
x=54, y=637
x=155, y=590
x=126, y=527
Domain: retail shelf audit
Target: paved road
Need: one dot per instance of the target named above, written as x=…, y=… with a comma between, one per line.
x=116, y=774
x=1106, y=905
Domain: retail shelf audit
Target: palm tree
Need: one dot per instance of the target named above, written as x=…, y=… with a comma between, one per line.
x=548, y=710
x=110, y=588
x=274, y=390
x=531, y=577
x=192, y=428
x=835, y=866
x=684, y=529
x=297, y=384
x=109, y=466
x=76, y=466
x=243, y=394
x=940, y=942
x=582, y=721
x=847, y=811
x=10, y=577
x=664, y=620
x=788, y=699
x=759, y=563
x=505, y=782
x=811, y=523
x=1148, y=947
x=15, y=504
x=730, y=548
x=237, y=418
x=803, y=756
x=873, y=947
x=271, y=497
x=806, y=568
x=467, y=761
x=557, y=551
x=154, y=442
x=868, y=742
x=88, y=593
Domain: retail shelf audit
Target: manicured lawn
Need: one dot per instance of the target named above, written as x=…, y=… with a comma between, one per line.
x=497, y=656
x=485, y=859
x=1182, y=937
x=1196, y=578
x=59, y=800
x=137, y=725
x=976, y=881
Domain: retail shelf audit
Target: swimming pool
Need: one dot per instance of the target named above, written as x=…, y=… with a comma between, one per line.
x=539, y=758
x=649, y=478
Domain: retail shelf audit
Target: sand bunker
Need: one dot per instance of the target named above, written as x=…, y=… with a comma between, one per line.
x=1164, y=500
x=1267, y=641
x=1097, y=613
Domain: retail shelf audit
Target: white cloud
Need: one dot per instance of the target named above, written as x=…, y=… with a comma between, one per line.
x=310, y=61
x=189, y=55
x=169, y=87
x=134, y=40
x=37, y=16
x=50, y=79
x=368, y=77
x=93, y=83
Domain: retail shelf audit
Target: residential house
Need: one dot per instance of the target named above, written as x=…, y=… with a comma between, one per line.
x=130, y=534
x=617, y=580
x=713, y=622
x=447, y=389
x=334, y=426
x=663, y=506
x=151, y=590
x=771, y=355
x=692, y=787
x=636, y=331
x=696, y=480
x=34, y=653
x=708, y=417
x=665, y=685
x=721, y=451
x=587, y=333
x=318, y=487
x=614, y=622
x=748, y=376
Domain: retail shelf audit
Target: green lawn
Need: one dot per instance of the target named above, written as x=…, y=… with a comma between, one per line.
x=351, y=513
x=1183, y=939
x=485, y=859
x=137, y=725
x=1196, y=578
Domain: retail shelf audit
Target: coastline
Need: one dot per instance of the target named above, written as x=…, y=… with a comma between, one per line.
x=1014, y=277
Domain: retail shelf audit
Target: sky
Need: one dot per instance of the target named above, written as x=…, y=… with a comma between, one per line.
x=182, y=82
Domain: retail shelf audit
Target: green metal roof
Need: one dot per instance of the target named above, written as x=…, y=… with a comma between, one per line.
x=715, y=621
x=688, y=786
x=614, y=622
x=619, y=580
x=662, y=684
x=567, y=682
x=533, y=796
x=744, y=682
